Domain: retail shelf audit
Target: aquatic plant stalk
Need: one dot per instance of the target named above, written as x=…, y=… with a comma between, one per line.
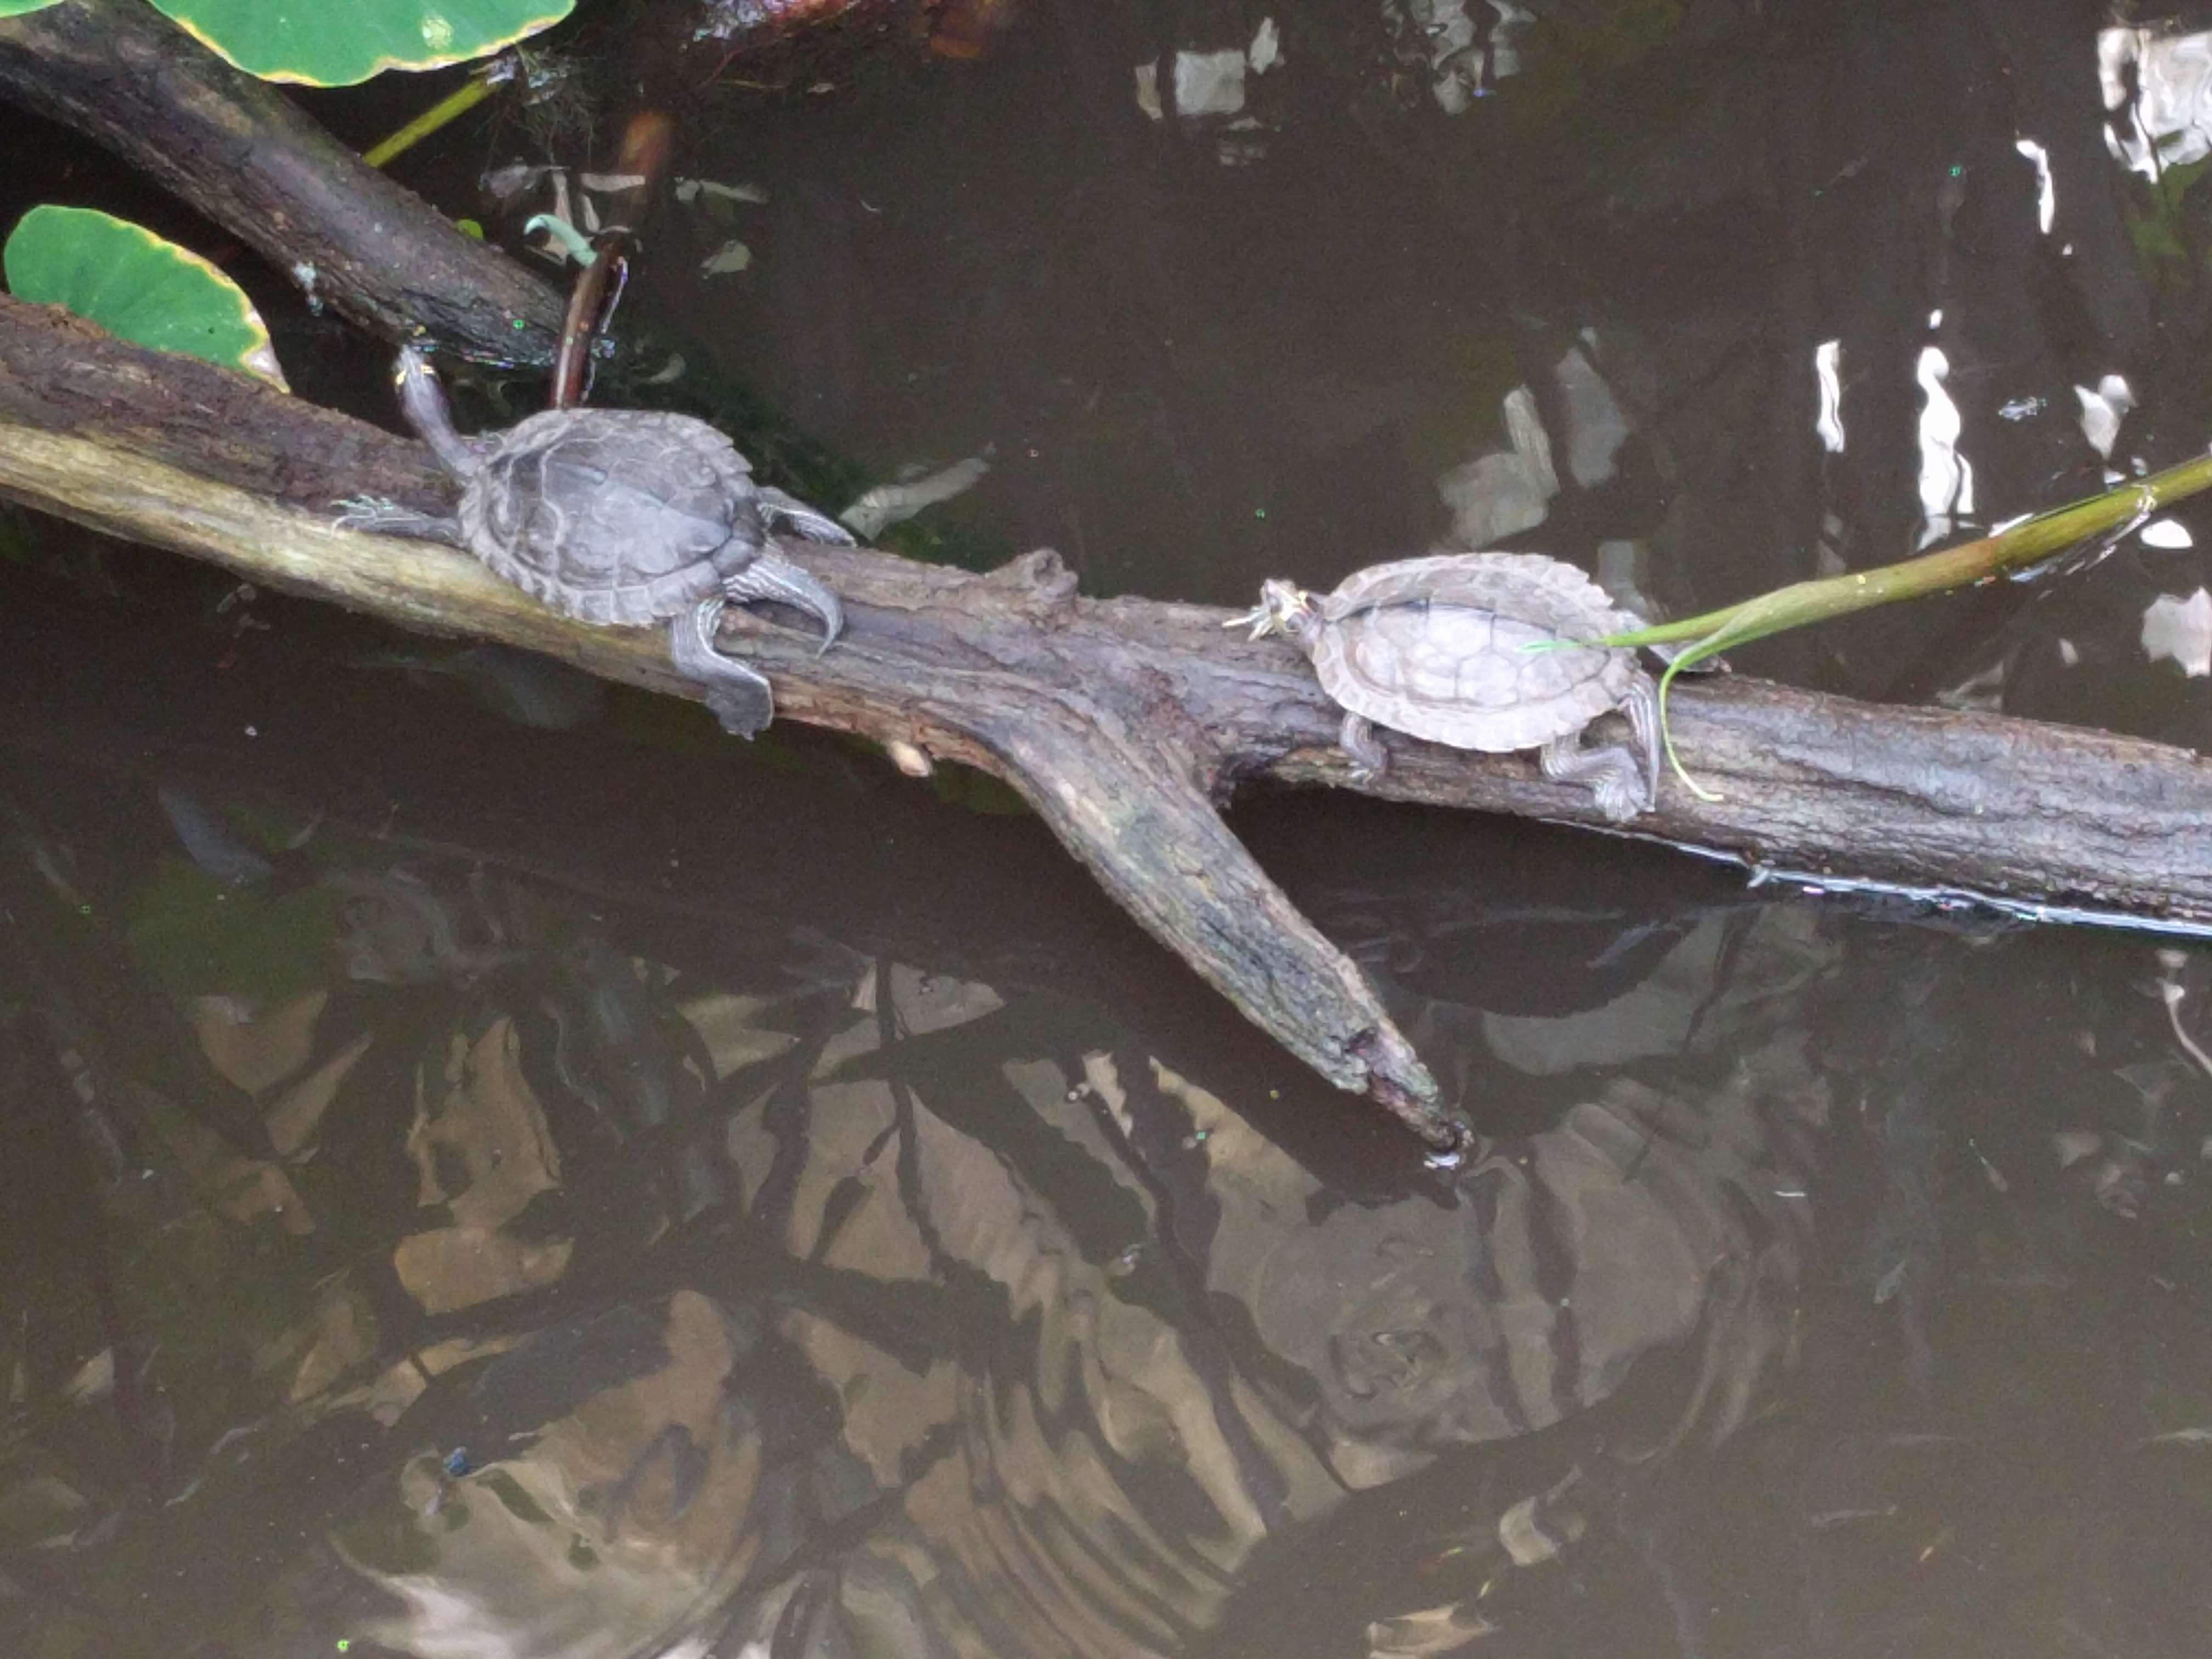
x=445, y=112
x=1829, y=597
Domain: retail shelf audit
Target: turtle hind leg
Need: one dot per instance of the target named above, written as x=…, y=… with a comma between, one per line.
x=1625, y=780
x=739, y=696
x=381, y=516
x=784, y=511
x=772, y=577
x=1611, y=772
x=1641, y=705
x=1357, y=739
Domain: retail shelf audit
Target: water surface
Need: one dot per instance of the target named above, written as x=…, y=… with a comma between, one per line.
x=497, y=1169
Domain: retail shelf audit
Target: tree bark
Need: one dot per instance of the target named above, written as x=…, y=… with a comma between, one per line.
x=1123, y=722
x=120, y=73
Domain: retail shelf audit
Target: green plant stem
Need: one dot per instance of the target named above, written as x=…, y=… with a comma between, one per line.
x=1932, y=573
x=1909, y=579
x=446, y=110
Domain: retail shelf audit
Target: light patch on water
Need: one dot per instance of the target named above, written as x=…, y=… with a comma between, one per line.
x=1267, y=48
x=1597, y=428
x=2180, y=630
x=2169, y=124
x=2169, y=533
x=2102, y=411
x=1209, y=83
x=1827, y=360
x=2046, y=193
x=1495, y=496
x=1148, y=92
x=1462, y=64
x=731, y=256
x=1947, y=478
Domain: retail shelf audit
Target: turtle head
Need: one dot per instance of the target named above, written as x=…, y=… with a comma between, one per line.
x=1284, y=608
x=423, y=402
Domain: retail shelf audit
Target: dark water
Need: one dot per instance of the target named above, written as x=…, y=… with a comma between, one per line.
x=492, y=1170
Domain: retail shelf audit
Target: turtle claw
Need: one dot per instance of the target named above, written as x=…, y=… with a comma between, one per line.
x=773, y=577
x=740, y=696
x=782, y=510
x=1259, y=619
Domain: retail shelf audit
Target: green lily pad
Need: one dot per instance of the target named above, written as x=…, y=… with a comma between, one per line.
x=17, y=7
x=334, y=43
x=136, y=286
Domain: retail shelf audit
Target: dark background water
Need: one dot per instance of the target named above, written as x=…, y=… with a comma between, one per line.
x=475, y=1188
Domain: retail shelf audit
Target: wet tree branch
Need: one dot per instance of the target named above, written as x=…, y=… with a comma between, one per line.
x=1123, y=722
x=122, y=74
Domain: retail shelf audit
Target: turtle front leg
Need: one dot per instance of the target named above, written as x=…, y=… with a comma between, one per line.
x=739, y=696
x=782, y=510
x=381, y=516
x=773, y=577
x=1368, y=757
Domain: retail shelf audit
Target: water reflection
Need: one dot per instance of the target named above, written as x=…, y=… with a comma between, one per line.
x=563, y=1188
x=496, y=1219
x=807, y=1298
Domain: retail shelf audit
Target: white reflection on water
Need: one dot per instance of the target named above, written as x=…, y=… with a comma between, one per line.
x=1947, y=478
x=2046, y=193
x=2169, y=122
x=1827, y=356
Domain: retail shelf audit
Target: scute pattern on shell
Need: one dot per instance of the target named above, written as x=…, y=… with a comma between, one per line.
x=622, y=516
x=1430, y=647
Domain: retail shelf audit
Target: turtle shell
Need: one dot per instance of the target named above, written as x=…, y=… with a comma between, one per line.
x=612, y=515
x=1430, y=647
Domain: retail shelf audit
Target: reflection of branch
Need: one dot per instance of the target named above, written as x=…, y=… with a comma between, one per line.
x=2171, y=993
x=1120, y=721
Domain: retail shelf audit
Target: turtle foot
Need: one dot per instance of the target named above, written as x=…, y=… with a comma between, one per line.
x=773, y=577
x=742, y=714
x=1619, y=797
x=739, y=696
x=1622, y=788
x=1368, y=758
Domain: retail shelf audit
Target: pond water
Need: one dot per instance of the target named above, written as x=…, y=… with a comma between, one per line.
x=494, y=1167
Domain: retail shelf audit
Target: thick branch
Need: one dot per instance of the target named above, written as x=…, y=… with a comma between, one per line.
x=1117, y=718
x=960, y=667
x=119, y=72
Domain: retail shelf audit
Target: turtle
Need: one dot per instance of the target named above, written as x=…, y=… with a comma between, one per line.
x=1437, y=647
x=619, y=516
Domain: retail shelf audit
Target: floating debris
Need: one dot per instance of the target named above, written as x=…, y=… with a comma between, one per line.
x=731, y=256
x=689, y=190
x=894, y=503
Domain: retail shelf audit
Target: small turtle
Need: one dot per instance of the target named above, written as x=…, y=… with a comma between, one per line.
x=621, y=516
x=1434, y=648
